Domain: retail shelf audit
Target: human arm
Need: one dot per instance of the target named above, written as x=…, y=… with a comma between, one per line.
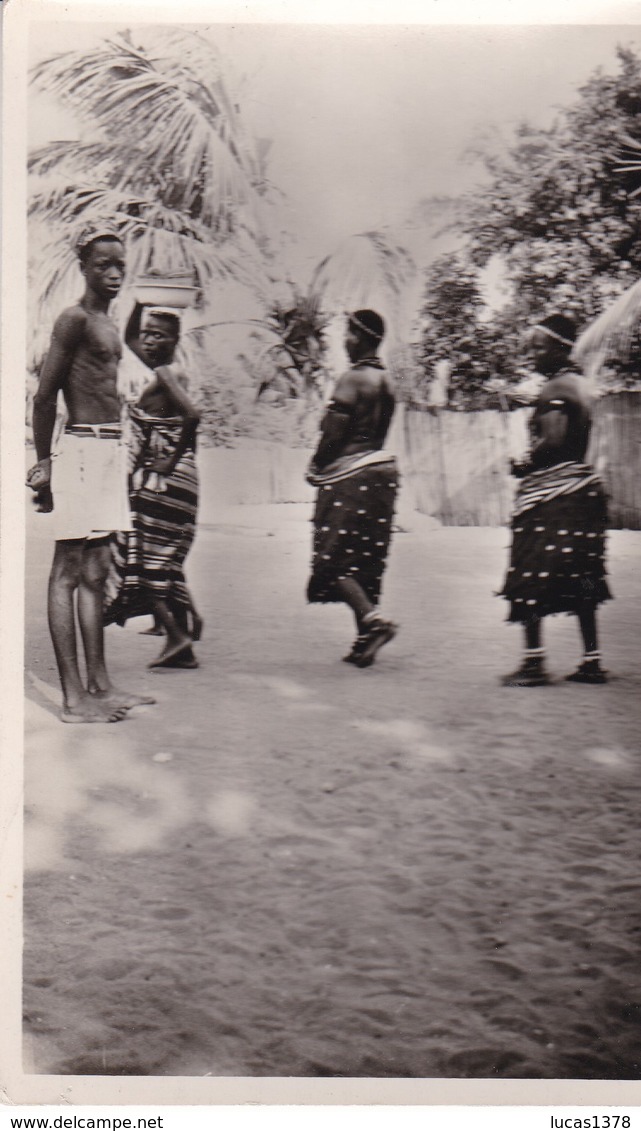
x=336, y=422
x=65, y=339
x=550, y=429
x=167, y=379
x=132, y=331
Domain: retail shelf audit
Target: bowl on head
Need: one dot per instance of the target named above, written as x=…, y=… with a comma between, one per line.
x=176, y=290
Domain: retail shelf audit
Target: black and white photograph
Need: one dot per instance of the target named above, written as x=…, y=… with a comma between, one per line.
x=328, y=431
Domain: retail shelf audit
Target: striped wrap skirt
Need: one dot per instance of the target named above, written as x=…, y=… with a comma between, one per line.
x=148, y=561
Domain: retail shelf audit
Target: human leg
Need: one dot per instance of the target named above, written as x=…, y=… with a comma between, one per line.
x=184, y=618
x=197, y=622
x=587, y=625
x=93, y=573
x=589, y=670
x=78, y=705
x=352, y=525
x=174, y=623
x=373, y=631
x=532, y=671
x=155, y=630
x=355, y=596
x=94, y=567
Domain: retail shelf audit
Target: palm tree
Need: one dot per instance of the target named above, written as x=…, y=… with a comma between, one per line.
x=168, y=160
x=370, y=267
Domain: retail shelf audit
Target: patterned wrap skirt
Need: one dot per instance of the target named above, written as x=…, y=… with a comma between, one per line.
x=148, y=561
x=352, y=532
x=557, y=560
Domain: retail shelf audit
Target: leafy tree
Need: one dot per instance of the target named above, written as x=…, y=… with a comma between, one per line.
x=561, y=209
x=298, y=353
x=289, y=354
x=452, y=330
x=370, y=268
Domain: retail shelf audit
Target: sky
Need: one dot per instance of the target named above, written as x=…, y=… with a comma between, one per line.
x=368, y=120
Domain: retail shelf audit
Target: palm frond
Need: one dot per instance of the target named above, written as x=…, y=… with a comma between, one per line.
x=170, y=163
x=610, y=335
x=99, y=158
x=154, y=237
x=364, y=265
x=159, y=106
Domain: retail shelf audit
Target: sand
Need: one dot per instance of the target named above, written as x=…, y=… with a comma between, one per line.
x=290, y=867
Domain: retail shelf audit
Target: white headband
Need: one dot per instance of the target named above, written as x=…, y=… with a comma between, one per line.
x=364, y=328
x=552, y=334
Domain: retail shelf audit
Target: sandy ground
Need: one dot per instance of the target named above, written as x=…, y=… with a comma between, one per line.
x=290, y=867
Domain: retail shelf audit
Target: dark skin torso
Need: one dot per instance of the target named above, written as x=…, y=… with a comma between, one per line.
x=157, y=401
x=82, y=363
x=363, y=390
x=367, y=385
x=90, y=389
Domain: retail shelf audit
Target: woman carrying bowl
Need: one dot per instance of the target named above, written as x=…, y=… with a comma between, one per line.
x=147, y=575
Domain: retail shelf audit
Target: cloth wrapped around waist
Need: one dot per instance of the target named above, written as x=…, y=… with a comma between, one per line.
x=551, y=482
x=151, y=438
x=346, y=466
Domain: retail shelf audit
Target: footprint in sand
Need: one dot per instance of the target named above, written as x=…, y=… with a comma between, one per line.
x=507, y=968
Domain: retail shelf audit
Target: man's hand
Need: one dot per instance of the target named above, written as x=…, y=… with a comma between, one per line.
x=39, y=479
x=39, y=475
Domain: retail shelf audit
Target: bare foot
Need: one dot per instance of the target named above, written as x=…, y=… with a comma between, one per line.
x=172, y=652
x=125, y=699
x=92, y=710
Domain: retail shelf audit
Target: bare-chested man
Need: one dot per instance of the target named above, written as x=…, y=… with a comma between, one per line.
x=87, y=487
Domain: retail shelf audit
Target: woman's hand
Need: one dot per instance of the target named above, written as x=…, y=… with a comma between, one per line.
x=162, y=466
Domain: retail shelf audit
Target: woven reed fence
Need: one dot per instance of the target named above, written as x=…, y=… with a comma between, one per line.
x=456, y=465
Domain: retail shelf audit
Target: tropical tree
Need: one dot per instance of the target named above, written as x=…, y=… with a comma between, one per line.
x=164, y=154
x=293, y=334
x=452, y=330
x=298, y=353
x=560, y=209
x=368, y=269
